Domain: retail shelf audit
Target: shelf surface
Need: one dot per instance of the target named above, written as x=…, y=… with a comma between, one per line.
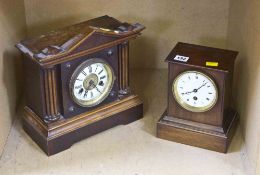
x=127, y=149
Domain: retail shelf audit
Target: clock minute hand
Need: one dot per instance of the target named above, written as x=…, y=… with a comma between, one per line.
x=195, y=90
x=202, y=86
x=98, y=89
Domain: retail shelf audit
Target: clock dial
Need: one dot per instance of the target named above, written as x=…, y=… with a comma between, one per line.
x=195, y=91
x=91, y=82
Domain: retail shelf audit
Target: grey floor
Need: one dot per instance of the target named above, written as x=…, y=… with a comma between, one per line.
x=124, y=150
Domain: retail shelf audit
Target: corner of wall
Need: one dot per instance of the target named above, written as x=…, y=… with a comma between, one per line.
x=12, y=29
x=243, y=36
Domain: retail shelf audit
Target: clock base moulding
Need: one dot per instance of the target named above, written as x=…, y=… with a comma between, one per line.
x=56, y=137
x=198, y=134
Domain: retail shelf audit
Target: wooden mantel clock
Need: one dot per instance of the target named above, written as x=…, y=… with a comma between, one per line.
x=199, y=111
x=77, y=82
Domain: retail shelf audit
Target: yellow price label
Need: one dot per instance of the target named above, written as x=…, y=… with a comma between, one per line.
x=213, y=64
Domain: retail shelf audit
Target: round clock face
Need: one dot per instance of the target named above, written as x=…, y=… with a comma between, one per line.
x=195, y=91
x=91, y=82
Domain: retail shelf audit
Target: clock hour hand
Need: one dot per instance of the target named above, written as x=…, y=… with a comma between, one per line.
x=87, y=88
x=91, y=83
x=187, y=92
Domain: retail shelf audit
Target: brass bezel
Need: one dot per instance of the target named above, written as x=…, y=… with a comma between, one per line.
x=102, y=97
x=187, y=106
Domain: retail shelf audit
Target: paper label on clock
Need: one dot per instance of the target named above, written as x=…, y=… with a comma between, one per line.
x=181, y=58
x=213, y=64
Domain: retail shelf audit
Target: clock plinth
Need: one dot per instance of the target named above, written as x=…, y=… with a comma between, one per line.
x=61, y=135
x=197, y=134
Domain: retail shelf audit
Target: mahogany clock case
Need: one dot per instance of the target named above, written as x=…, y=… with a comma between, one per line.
x=52, y=118
x=211, y=129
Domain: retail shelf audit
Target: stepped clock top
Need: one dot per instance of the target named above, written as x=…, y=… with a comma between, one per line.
x=201, y=56
x=62, y=42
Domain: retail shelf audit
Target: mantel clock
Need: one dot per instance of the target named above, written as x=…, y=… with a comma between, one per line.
x=199, y=110
x=77, y=82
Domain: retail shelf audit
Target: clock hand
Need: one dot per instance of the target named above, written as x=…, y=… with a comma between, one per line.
x=202, y=86
x=98, y=89
x=187, y=92
x=195, y=90
x=91, y=83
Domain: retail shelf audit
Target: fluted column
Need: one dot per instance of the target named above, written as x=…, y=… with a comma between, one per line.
x=124, y=88
x=51, y=96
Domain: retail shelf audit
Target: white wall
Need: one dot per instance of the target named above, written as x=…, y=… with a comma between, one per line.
x=12, y=29
x=244, y=36
x=167, y=21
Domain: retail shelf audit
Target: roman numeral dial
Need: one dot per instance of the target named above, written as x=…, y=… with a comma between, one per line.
x=195, y=91
x=91, y=82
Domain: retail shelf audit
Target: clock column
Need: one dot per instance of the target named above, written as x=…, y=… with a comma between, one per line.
x=124, y=88
x=51, y=96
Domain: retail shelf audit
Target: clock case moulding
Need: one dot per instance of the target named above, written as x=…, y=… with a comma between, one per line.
x=214, y=128
x=49, y=62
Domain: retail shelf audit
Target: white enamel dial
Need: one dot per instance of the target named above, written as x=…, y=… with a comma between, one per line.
x=195, y=91
x=91, y=82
